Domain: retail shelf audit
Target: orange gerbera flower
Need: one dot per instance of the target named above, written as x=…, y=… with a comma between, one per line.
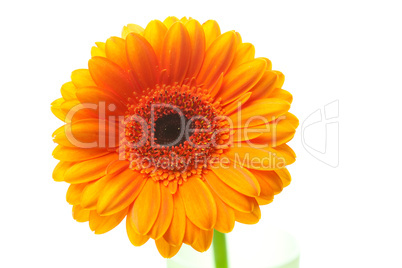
x=176, y=127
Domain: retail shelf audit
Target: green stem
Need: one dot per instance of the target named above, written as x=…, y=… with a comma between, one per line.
x=220, y=251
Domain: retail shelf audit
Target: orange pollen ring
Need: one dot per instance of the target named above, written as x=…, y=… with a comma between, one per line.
x=173, y=132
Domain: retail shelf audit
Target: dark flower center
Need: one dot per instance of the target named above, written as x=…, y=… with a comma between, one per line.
x=170, y=130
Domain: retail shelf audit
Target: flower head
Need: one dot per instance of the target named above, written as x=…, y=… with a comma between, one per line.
x=177, y=128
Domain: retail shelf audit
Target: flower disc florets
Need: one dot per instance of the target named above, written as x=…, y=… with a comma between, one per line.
x=172, y=132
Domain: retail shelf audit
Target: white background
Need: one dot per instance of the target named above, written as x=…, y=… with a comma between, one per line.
x=348, y=216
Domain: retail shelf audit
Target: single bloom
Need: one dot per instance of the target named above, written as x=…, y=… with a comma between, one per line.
x=178, y=128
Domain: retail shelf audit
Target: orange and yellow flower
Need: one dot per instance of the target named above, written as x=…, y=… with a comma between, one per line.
x=177, y=128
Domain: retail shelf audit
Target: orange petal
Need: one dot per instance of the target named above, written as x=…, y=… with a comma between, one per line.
x=80, y=214
x=225, y=219
x=68, y=91
x=267, y=191
x=135, y=238
x=269, y=63
x=273, y=134
x=169, y=21
x=74, y=192
x=212, y=31
x=245, y=52
x=235, y=105
x=103, y=224
x=112, y=104
x=120, y=192
x=284, y=174
x=89, y=170
x=173, y=185
x=111, y=76
x=77, y=154
x=249, y=218
x=117, y=166
x=259, y=112
x=164, y=219
x=286, y=149
x=192, y=233
x=88, y=133
x=204, y=240
x=197, y=38
x=241, y=79
x=99, y=50
x=96, y=52
x=56, y=110
x=82, y=78
x=143, y=61
x=101, y=45
x=292, y=119
x=61, y=169
x=270, y=179
x=92, y=191
x=165, y=249
x=218, y=58
x=239, y=178
x=238, y=38
x=185, y=19
x=266, y=158
x=214, y=89
x=265, y=86
x=146, y=207
x=245, y=134
x=176, y=53
x=155, y=33
x=74, y=110
x=227, y=194
x=281, y=79
x=131, y=28
x=261, y=201
x=199, y=203
x=115, y=50
x=282, y=94
x=175, y=234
